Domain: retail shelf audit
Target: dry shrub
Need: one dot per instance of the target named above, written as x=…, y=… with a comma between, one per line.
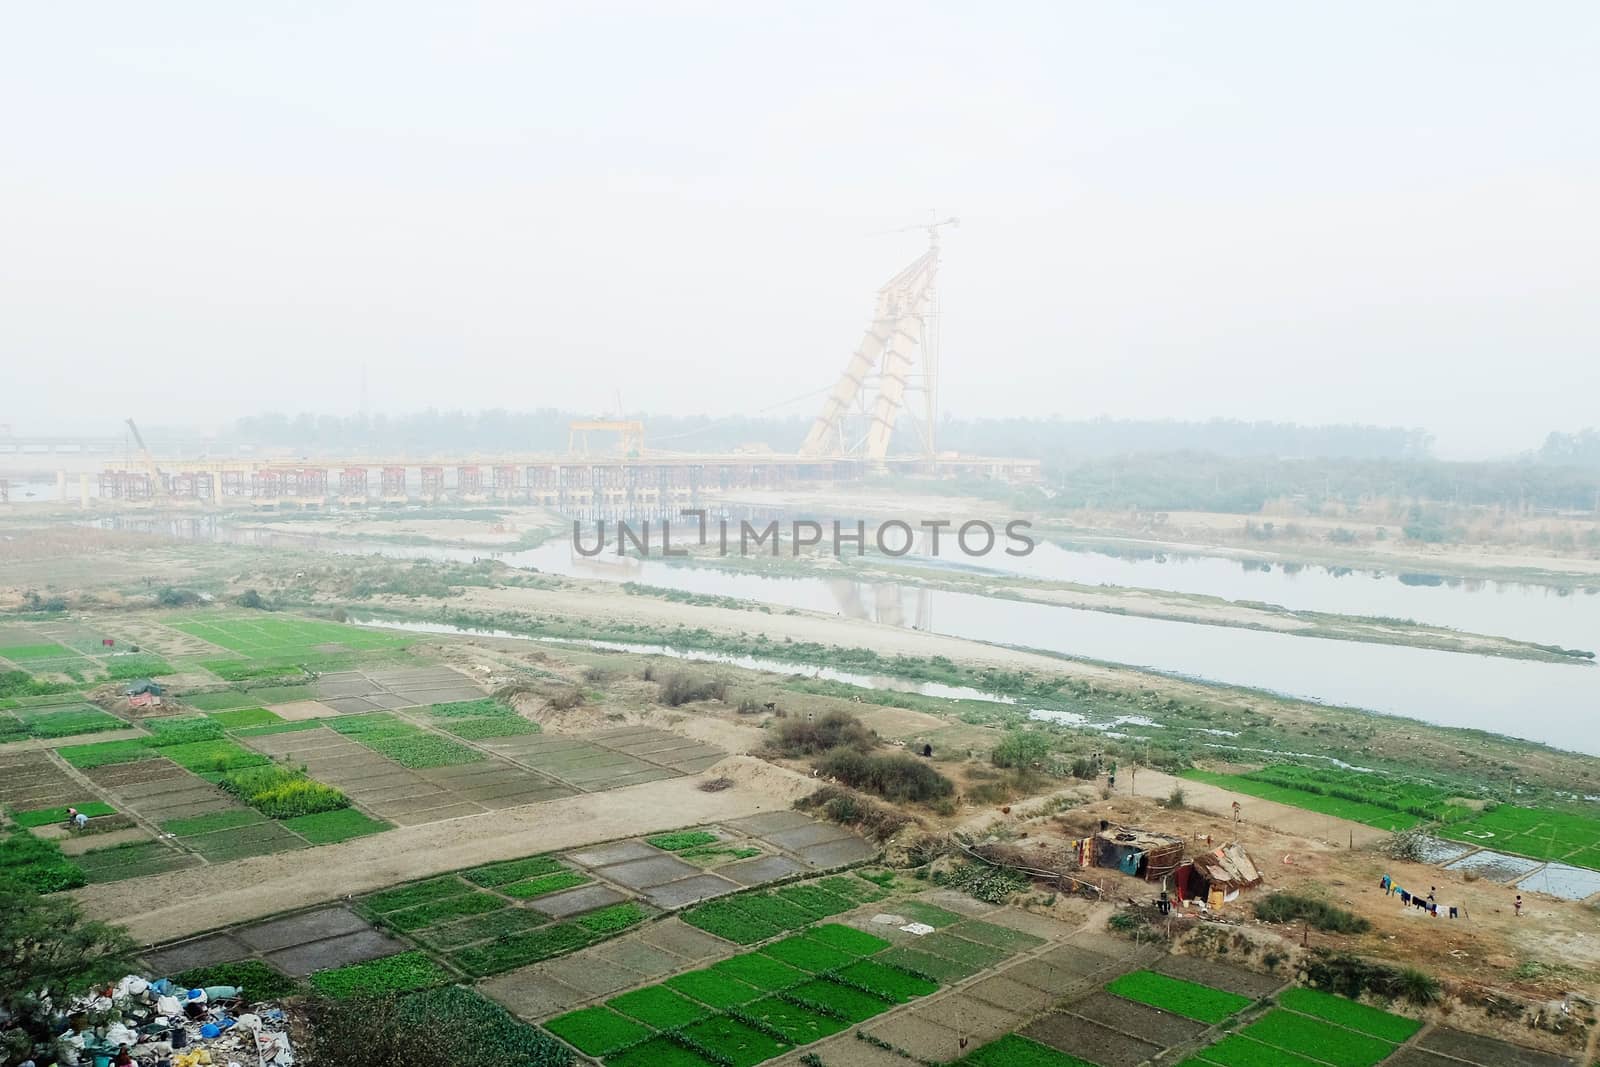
x=847, y=807
x=715, y=785
x=567, y=699
x=898, y=777
x=683, y=688
x=808, y=737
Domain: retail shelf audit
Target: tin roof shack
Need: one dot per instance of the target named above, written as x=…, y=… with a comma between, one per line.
x=1229, y=868
x=1141, y=853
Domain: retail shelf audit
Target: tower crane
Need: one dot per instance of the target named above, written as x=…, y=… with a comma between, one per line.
x=157, y=489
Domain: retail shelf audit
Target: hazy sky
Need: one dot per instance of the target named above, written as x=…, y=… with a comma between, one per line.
x=1378, y=212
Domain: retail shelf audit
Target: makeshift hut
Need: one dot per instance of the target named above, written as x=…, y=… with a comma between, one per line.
x=144, y=685
x=1141, y=853
x=1217, y=876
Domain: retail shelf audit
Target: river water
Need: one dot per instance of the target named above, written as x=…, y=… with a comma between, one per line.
x=1549, y=702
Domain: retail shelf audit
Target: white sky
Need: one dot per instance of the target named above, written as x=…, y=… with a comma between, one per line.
x=1377, y=212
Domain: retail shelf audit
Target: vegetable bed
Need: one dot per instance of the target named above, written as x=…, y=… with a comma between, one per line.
x=1317, y=1039
x=597, y=1031
x=1014, y=1050
x=1348, y=1013
x=393, y=974
x=1189, y=999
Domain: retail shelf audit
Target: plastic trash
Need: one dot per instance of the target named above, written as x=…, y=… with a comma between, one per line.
x=197, y=995
x=169, y=1005
x=221, y=992
x=210, y=1030
x=249, y=1021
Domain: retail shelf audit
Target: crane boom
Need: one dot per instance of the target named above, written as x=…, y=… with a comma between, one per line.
x=156, y=487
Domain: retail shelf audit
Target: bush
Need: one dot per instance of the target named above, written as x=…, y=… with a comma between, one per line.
x=681, y=688
x=1284, y=907
x=251, y=599
x=808, y=737
x=168, y=597
x=1020, y=748
x=898, y=777
x=1176, y=799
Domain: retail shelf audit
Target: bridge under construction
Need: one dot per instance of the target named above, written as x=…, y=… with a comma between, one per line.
x=893, y=372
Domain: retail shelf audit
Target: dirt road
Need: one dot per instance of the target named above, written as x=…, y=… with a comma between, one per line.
x=167, y=906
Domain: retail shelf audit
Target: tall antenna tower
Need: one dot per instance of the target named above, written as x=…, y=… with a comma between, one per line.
x=884, y=368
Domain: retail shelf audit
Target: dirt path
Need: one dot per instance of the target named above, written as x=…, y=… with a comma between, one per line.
x=173, y=905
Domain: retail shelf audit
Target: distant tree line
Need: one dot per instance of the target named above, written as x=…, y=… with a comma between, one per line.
x=1581, y=449
x=1194, y=481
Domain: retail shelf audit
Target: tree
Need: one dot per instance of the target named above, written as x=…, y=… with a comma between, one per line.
x=48, y=947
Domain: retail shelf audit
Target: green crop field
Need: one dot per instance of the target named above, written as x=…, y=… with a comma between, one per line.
x=807, y=954
x=1319, y=1040
x=659, y=1052
x=407, y=744
x=798, y=1025
x=1538, y=833
x=735, y=1043
x=104, y=753
x=1339, y=807
x=65, y=720
x=714, y=988
x=545, y=884
x=49, y=816
x=241, y=717
x=402, y=973
x=1349, y=1014
x=659, y=1007
x=494, y=874
x=1236, y=1051
x=889, y=983
x=1188, y=999
x=763, y=972
x=284, y=637
x=597, y=1031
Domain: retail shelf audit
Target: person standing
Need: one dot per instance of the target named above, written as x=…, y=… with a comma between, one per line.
x=1517, y=907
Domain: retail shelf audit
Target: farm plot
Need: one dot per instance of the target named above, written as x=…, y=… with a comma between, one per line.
x=30, y=781
x=752, y=916
x=282, y=637
x=1371, y=799
x=1538, y=833
x=1188, y=999
x=405, y=743
x=1313, y=1038
x=57, y=720
x=132, y=860
x=387, y=688
x=491, y=919
x=744, y=1009
x=400, y=794
x=581, y=763
x=1016, y=1051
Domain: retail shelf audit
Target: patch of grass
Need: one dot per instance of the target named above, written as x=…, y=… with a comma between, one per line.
x=995, y=936
x=1188, y=999
x=1348, y=1013
x=714, y=988
x=260, y=981
x=659, y=1007
x=927, y=913
x=597, y=1031
x=212, y=822
x=683, y=839
x=401, y=973
x=496, y=874
x=58, y=816
x=243, y=717
x=330, y=827
x=105, y=753
x=798, y=1024
x=1538, y=833
x=488, y=707
x=607, y=922
x=1317, y=1039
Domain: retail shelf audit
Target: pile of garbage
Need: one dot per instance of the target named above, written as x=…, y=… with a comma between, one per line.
x=154, y=1023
